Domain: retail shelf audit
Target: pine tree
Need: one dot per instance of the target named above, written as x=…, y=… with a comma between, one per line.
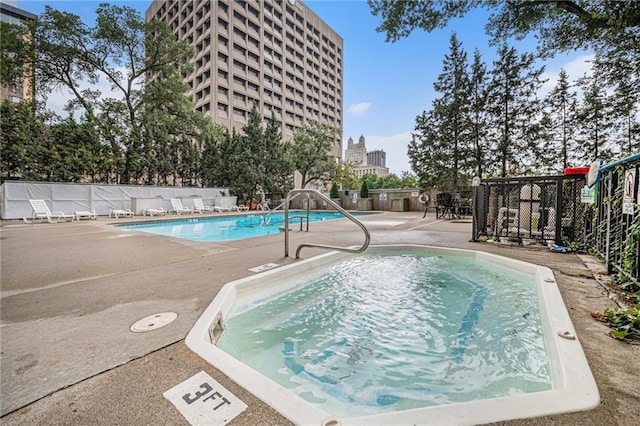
x=560, y=106
x=444, y=145
x=478, y=92
x=514, y=108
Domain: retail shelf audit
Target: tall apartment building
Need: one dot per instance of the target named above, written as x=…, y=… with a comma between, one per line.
x=366, y=163
x=10, y=14
x=274, y=53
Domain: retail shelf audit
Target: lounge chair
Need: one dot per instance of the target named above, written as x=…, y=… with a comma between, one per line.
x=152, y=211
x=243, y=208
x=177, y=207
x=85, y=214
x=199, y=206
x=221, y=208
x=40, y=211
x=120, y=212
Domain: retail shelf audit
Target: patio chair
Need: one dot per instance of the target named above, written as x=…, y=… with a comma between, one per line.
x=445, y=205
x=177, y=207
x=199, y=206
x=120, y=212
x=40, y=211
x=85, y=214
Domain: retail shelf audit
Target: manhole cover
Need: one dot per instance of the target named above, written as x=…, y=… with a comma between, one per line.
x=153, y=321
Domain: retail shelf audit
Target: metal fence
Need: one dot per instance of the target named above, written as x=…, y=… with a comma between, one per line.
x=613, y=222
x=544, y=209
x=564, y=211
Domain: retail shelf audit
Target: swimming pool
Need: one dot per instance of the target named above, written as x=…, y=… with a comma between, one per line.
x=397, y=356
x=230, y=227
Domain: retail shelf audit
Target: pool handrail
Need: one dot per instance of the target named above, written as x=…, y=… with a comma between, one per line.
x=294, y=193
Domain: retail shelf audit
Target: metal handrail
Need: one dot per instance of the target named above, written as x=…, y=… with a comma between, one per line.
x=294, y=193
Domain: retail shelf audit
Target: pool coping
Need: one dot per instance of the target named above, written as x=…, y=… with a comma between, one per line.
x=574, y=385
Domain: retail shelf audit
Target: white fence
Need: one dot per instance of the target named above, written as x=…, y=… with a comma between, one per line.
x=69, y=197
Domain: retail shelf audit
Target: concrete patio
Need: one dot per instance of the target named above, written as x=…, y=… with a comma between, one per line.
x=71, y=291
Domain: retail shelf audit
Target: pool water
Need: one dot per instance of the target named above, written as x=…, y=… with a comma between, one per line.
x=231, y=227
x=391, y=332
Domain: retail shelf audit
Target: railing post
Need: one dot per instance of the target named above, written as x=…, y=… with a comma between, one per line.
x=559, y=207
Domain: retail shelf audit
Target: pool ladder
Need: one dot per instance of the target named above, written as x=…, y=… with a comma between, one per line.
x=295, y=193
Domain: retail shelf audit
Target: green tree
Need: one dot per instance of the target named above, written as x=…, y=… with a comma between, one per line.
x=74, y=152
x=560, y=109
x=15, y=54
x=443, y=153
x=594, y=118
x=215, y=152
x=451, y=111
x=560, y=25
x=514, y=108
x=625, y=108
x=426, y=158
x=21, y=141
x=143, y=64
x=279, y=166
x=479, y=121
x=309, y=152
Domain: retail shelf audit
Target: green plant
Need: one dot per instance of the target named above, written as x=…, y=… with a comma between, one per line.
x=364, y=190
x=333, y=193
x=624, y=322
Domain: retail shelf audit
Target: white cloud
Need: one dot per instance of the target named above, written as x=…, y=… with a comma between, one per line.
x=359, y=109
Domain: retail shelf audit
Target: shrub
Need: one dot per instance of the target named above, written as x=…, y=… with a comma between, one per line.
x=333, y=193
x=364, y=190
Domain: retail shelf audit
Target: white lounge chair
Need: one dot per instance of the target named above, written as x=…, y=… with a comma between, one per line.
x=177, y=207
x=120, y=212
x=40, y=211
x=243, y=208
x=199, y=206
x=152, y=211
x=221, y=208
x=85, y=214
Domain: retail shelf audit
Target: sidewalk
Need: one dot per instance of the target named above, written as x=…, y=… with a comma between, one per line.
x=70, y=292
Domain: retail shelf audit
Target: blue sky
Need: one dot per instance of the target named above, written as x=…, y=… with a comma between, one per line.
x=386, y=85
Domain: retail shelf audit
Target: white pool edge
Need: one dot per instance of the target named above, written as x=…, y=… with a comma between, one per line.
x=574, y=387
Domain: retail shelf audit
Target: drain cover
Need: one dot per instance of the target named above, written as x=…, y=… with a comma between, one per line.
x=153, y=321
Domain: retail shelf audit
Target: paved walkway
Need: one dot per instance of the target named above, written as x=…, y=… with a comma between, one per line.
x=70, y=292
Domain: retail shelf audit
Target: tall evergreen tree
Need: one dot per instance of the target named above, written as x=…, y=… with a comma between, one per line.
x=443, y=142
x=451, y=111
x=514, y=108
x=22, y=135
x=478, y=92
x=625, y=107
x=561, y=108
x=594, y=118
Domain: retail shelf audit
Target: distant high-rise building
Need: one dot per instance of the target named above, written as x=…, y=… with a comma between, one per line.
x=21, y=90
x=365, y=163
x=356, y=153
x=276, y=54
x=377, y=158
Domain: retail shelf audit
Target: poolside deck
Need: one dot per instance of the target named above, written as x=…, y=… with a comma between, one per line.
x=70, y=292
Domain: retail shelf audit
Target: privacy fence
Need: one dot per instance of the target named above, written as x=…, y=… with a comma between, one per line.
x=68, y=197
